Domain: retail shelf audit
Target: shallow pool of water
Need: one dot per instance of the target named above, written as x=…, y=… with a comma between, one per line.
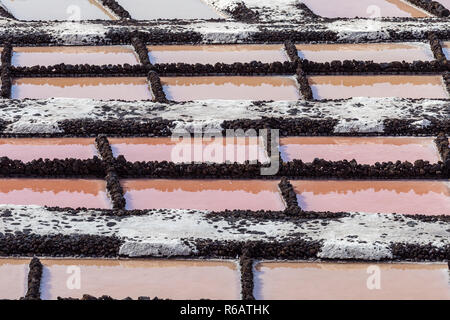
x=230, y=88
x=61, y=10
x=365, y=150
x=71, y=193
x=216, y=53
x=189, y=150
x=203, y=194
x=351, y=281
x=374, y=196
x=120, y=88
x=342, y=87
x=175, y=279
x=93, y=55
x=169, y=9
x=27, y=149
x=365, y=9
x=376, y=52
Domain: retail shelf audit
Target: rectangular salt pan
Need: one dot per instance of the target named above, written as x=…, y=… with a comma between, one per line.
x=169, y=9
x=71, y=193
x=374, y=196
x=61, y=10
x=351, y=281
x=365, y=9
x=376, y=52
x=365, y=150
x=13, y=278
x=27, y=149
x=203, y=194
x=446, y=49
x=174, y=279
x=230, y=88
x=93, y=55
x=189, y=150
x=343, y=87
x=212, y=54
x=113, y=88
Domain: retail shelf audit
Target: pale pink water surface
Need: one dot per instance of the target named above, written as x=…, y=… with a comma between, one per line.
x=351, y=281
x=27, y=149
x=72, y=193
x=13, y=278
x=374, y=196
x=214, y=195
x=174, y=279
x=365, y=150
x=187, y=150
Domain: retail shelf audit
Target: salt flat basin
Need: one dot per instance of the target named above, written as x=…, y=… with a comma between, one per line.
x=189, y=150
x=351, y=281
x=202, y=194
x=365, y=9
x=13, y=278
x=365, y=150
x=174, y=279
x=120, y=88
x=61, y=10
x=343, y=87
x=374, y=196
x=93, y=55
x=71, y=193
x=446, y=49
x=376, y=52
x=230, y=88
x=27, y=149
x=169, y=9
x=212, y=54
